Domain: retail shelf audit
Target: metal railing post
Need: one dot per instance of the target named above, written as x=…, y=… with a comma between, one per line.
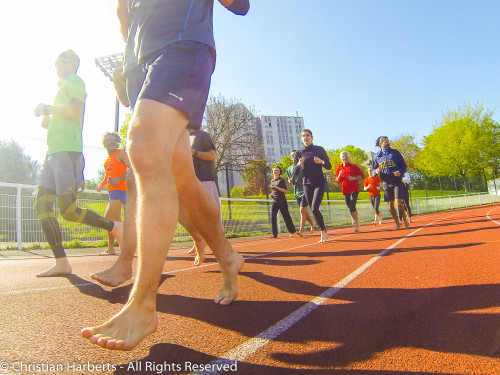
x=18, y=219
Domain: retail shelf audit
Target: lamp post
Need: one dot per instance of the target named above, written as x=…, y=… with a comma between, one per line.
x=108, y=64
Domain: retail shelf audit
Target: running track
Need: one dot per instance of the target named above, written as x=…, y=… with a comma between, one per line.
x=422, y=300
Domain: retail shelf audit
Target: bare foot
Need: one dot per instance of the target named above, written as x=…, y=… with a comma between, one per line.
x=108, y=252
x=117, y=231
x=200, y=252
x=114, y=276
x=229, y=270
x=126, y=329
x=62, y=267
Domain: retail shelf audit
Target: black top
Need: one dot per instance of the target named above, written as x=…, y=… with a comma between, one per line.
x=201, y=141
x=278, y=196
x=313, y=173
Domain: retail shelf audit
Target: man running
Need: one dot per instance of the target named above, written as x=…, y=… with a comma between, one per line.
x=61, y=176
x=175, y=46
x=390, y=165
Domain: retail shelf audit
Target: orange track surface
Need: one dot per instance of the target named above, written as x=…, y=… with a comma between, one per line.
x=423, y=300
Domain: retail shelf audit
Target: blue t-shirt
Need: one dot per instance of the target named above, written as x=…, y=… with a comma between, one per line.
x=155, y=24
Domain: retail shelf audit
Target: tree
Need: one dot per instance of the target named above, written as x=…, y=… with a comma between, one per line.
x=459, y=144
x=256, y=176
x=15, y=165
x=234, y=131
x=406, y=144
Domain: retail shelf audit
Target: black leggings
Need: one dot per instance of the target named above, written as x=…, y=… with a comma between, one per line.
x=314, y=195
x=283, y=207
x=350, y=200
x=376, y=203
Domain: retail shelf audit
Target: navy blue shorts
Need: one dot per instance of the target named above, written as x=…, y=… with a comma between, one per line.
x=179, y=76
x=118, y=195
x=393, y=191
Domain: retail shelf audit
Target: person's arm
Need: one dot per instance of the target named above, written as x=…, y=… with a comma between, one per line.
x=339, y=174
x=239, y=7
x=323, y=159
x=280, y=185
x=204, y=155
x=123, y=18
x=402, y=164
x=120, y=86
x=74, y=109
x=366, y=187
x=359, y=174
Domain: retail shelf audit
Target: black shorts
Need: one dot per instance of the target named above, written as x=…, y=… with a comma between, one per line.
x=179, y=76
x=302, y=201
x=393, y=191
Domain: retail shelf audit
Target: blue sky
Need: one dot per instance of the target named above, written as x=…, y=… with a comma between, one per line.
x=354, y=69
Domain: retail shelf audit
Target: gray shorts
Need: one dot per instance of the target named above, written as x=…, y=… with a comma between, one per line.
x=63, y=172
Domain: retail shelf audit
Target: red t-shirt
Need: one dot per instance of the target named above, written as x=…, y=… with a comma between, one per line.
x=375, y=182
x=349, y=170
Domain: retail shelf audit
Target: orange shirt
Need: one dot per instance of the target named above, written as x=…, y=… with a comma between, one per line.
x=375, y=182
x=114, y=168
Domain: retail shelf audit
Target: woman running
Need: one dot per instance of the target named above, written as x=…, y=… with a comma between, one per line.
x=313, y=159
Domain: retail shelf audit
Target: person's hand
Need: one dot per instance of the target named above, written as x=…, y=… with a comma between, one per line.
x=318, y=160
x=341, y=172
x=98, y=189
x=41, y=110
x=300, y=162
x=378, y=187
x=397, y=174
x=290, y=180
x=113, y=181
x=377, y=171
x=45, y=122
x=350, y=178
x=118, y=73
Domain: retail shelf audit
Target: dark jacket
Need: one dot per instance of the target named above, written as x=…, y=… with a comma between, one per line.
x=389, y=163
x=313, y=173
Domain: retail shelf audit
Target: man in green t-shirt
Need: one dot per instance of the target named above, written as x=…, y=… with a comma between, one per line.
x=298, y=189
x=61, y=176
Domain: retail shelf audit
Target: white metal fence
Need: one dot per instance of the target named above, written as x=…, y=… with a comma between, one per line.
x=20, y=227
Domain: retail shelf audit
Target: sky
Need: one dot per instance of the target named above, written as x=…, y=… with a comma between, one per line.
x=354, y=69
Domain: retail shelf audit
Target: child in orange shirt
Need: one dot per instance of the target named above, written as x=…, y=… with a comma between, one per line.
x=372, y=184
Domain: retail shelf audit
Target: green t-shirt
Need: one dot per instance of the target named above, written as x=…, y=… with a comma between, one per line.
x=64, y=133
x=298, y=182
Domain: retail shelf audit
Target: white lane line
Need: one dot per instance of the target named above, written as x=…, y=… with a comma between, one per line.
x=489, y=217
x=251, y=346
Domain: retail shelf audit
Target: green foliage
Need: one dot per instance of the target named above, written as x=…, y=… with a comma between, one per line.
x=409, y=149
x=124, y=130
x=460, y=144
x=257, y=176
x=15, y=165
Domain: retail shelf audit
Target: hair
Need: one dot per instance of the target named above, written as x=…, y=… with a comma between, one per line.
x=71, y=56
x=293, y=151
x=114, y=134
x=377, y=142
x=307, y=130
x=345, y=152
x=277, y=166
